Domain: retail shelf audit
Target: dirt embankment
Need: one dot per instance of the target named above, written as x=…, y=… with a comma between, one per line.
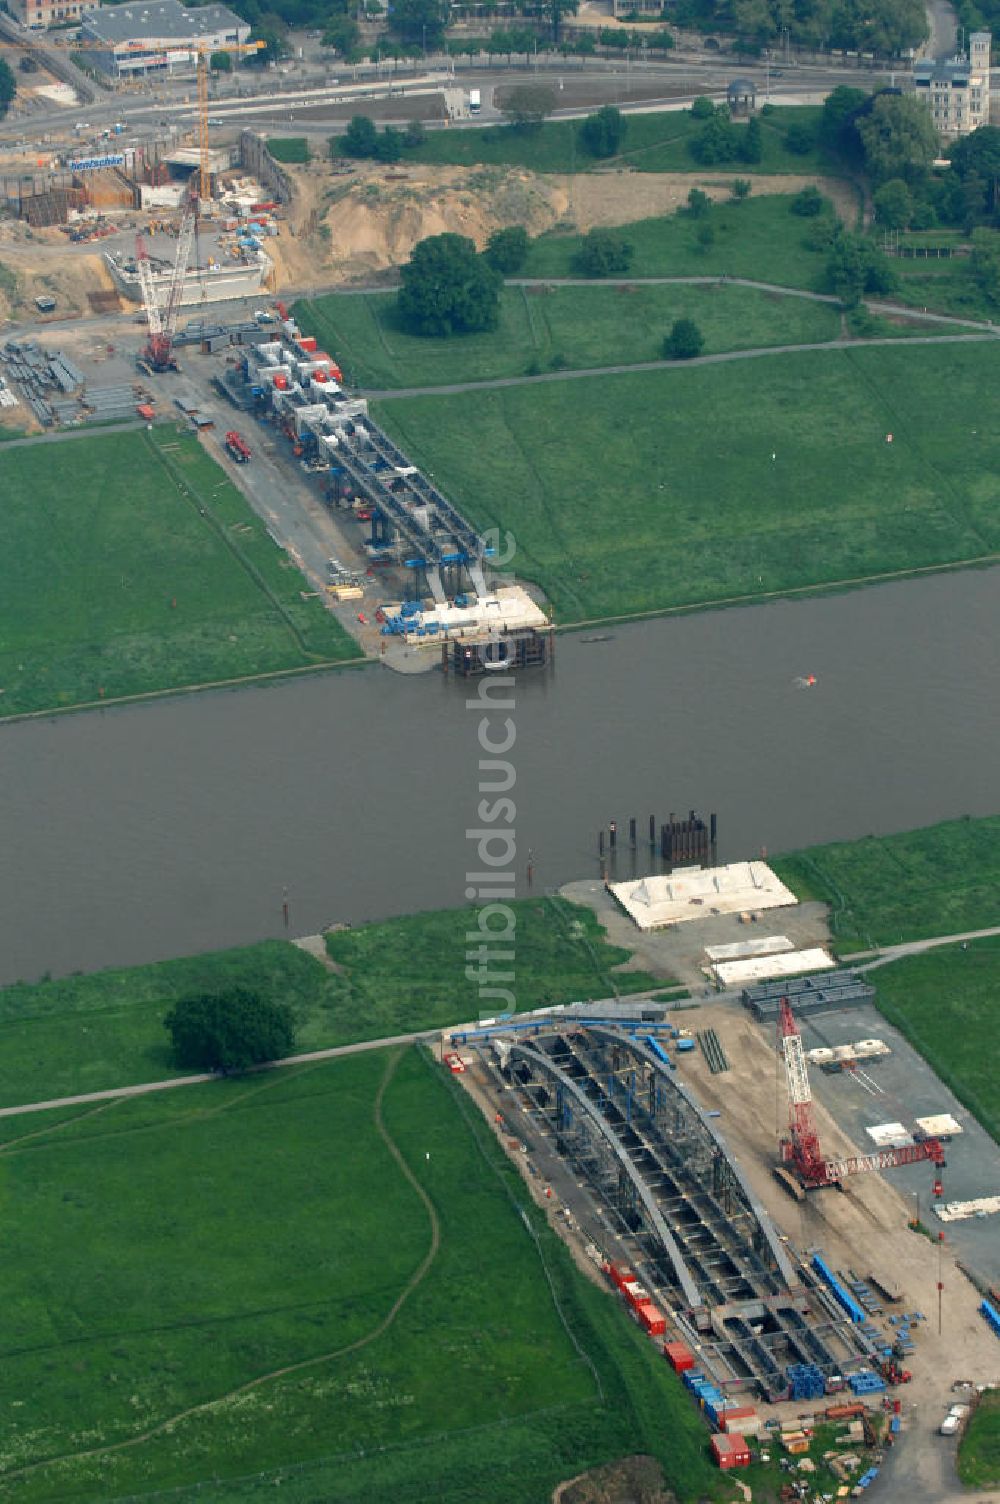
x=34, y=263
x=344, y=227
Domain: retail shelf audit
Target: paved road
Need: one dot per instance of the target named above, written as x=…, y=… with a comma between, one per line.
x=889, y=953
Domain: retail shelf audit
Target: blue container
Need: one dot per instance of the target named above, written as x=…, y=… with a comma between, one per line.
x=684, y=1045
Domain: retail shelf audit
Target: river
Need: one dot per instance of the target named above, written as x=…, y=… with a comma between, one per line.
x=169, y=828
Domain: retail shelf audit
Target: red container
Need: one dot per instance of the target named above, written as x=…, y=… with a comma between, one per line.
x=336, y=373
x=281, y=381
x=636, y=1294
x=307, y=343
x=730, y=1450
x=652, y=1319
x=618, y=1273
x=679, y=1356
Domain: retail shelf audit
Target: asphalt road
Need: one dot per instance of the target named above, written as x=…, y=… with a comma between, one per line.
x=315, y=98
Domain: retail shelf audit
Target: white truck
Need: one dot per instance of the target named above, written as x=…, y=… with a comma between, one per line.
x=953, y=1419
x=475, y=101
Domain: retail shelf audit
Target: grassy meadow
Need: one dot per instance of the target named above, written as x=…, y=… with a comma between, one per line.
x=330, y=1271
x=653, y=143
x=130, y=565
x=882, y=890
x=91, y=1033
x=979, y=1450
x=646, y=491
x=293, y=149
x=945, y=1003
x=548, y=328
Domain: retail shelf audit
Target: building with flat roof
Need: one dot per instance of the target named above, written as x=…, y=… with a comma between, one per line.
x=38, y=14
x=163, y=37
x=957, y=89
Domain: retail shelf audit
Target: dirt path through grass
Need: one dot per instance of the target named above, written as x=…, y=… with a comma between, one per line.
x=496, y=382
x=412, y=1284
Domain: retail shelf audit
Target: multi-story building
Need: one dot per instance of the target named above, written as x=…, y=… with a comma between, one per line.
x=38, y=14
x=162, y=37
x=957, y=89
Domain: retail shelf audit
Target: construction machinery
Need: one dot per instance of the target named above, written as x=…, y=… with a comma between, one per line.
x=801, y=1152
x=204, y=55
x=237, y=447
x=158, y=356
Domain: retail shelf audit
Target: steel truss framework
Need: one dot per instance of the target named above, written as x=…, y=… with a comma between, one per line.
x=651, y=1155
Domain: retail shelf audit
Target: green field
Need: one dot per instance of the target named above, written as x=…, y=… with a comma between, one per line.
x=324, y=1275
x=620, y=504
x=945, y=1003
x=546, y=328
x=654, y=143
x=760, y=238
x=130, y=564
x=979, y=1451
x=941, y=880
x=289, y=148
x=92, y=1033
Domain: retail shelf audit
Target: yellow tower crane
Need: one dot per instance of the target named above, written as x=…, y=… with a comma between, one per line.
x=204, y=54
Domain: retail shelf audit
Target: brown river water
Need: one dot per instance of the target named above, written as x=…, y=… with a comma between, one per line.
x=158, y=830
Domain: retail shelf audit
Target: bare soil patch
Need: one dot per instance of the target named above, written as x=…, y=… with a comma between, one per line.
x=633, y=1480
x=346, y=227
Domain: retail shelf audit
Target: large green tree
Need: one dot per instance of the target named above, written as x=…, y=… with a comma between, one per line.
x=419, y=22
x=893, y=204
x=603, y=133
x=839, y=120
x=898, y=137
x=976, y=158
x=448, y=288
x=986, y=262
x=507, y=249
x=229, y=1030
x=684, y=341
x=8, y=88
x=555, y=10
x=604, y=253
x=526, y=105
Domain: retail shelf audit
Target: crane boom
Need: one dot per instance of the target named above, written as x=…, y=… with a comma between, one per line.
x=163, y=321
x=149, y=302
x=801, y=1149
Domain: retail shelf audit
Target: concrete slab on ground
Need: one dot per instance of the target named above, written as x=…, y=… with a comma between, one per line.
x=680, y=953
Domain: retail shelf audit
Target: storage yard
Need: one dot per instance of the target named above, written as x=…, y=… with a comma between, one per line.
x=654, y=1133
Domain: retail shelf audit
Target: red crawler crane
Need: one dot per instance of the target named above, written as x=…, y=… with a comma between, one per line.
x=801, y=1151
x=162, y=322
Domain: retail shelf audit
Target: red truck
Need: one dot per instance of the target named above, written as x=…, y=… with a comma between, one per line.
x=237, y=446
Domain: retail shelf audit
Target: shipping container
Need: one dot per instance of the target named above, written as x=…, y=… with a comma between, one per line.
x=307, y=343
x=741, y=1418
x=652, y=1319
x=730, y=1450
x=679, y=1356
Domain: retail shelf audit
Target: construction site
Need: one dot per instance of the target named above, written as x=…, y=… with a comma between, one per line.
x=717, y=1162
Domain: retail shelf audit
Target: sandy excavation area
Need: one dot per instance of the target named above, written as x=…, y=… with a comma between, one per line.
x=346, y=226
x=38, y=262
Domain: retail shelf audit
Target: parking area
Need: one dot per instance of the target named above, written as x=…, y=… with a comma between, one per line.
x=900, y=1087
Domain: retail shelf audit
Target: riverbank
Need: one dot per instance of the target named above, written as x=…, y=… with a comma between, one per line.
x=617, y=508
x=132, y=568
